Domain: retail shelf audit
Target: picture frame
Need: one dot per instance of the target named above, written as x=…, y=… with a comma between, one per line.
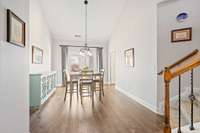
x=16, y=29
x=37, y=55
x=129, y=57
x=181, y=35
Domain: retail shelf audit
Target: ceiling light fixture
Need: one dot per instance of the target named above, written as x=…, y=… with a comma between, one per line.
x=85, y=51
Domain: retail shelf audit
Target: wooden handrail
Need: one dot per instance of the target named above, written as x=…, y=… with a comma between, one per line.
x=193, y=53
x=186, y=69
x=183, y=59
x=168, y=76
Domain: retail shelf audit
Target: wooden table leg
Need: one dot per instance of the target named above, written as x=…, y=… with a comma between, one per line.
x=100, y=91
x=71, y=92
x=92, y=89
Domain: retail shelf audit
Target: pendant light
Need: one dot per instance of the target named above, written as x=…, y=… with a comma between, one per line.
x=85, y=51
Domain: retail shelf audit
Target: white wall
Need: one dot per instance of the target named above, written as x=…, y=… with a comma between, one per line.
x=14, y=74
x=1, y=23
x=169, y=52
x=40, y=36
x=56, y=56
x=137, y=29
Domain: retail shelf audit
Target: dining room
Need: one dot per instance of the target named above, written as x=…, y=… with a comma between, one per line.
x=83, y=71
x=85, y=98
x=81, y=66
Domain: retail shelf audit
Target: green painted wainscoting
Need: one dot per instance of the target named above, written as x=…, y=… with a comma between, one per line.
x=42, y=86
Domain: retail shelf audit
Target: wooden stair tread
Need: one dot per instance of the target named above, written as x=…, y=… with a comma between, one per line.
x=174, y=118
x=186, y=111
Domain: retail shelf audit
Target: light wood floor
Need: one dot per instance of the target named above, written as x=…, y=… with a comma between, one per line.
x=115, y=114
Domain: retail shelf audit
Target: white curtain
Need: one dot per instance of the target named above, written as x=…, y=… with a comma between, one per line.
x=99, y=58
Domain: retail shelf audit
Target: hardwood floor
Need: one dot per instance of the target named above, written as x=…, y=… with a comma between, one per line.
x=115, y=114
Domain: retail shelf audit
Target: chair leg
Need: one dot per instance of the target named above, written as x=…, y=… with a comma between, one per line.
x=100, y=92
x=77, y=90
x=102, y=87
x=94, y=87
x=71, y=92
x=92, y=90
x=81, y=87
x=66, y=89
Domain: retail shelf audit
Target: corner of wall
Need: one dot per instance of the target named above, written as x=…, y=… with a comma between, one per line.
x=139, y=100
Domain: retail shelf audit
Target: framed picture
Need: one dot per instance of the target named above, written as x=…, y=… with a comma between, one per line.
x=181, y=35
x=37, y=55
x=15, y=29
x=129, y=57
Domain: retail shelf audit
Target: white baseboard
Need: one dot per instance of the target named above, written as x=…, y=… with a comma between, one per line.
x=139, y=100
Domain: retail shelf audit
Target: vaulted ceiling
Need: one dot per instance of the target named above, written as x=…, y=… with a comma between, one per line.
x=66, y=18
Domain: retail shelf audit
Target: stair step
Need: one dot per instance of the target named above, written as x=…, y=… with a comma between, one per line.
x=174, y=118
x=185, y=114
x=186, y=110
x=185, y=129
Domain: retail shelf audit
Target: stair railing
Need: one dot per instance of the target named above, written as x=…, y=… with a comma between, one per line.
x=169, y=75
x=193, y=53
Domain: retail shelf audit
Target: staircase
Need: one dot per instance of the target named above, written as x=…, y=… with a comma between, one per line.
x=186, y=109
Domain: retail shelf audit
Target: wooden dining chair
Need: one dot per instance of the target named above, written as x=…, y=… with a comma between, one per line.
x=97, y=81
x=71, y=86
x=86, y=85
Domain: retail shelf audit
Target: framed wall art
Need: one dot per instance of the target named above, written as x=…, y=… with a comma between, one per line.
x=181, y=35
x=37, y=55
x=129, y=57
x=15, y=29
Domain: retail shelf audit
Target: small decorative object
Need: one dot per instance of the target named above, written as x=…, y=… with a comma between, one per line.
x=84, y=70
x=182, y=17
x=37, y=55
x=74, y=63
x=129, y=57
x=15, y=29
x=181, y=35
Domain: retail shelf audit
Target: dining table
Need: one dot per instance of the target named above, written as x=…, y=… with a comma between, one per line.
x=77, y=76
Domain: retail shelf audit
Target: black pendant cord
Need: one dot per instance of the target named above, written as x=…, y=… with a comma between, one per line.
x=179, y=105
x=86, y=3
x=192, y=98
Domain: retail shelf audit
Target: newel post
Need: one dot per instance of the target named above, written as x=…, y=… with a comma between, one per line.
x=167, y=78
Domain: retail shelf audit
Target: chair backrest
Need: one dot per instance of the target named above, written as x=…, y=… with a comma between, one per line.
x=66, y=77
x=102, y=71
x=97, y=76
x=87, y=75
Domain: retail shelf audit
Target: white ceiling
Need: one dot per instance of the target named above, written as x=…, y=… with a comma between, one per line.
x=66, y=18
